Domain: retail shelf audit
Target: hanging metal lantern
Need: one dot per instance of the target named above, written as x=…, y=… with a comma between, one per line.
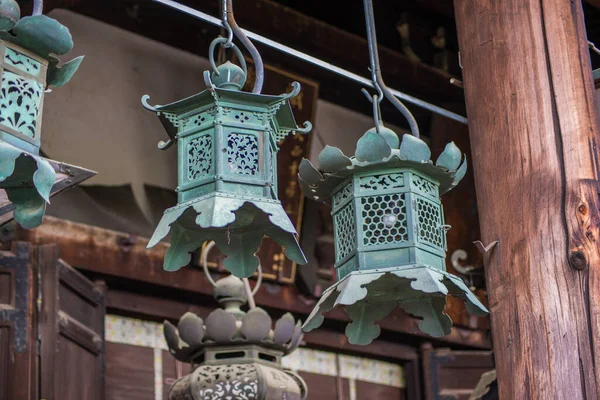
x=390, y=236
x=28, y=67
x=227, y=184
x=238, y=354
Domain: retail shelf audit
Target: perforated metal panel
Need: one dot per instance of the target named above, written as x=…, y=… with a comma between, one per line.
x=345, y=231
x=429, y=222
x=342, y=195
x=425, y=186
x=381, y=182
x=20, y=100
x=200, y=156
x=242, y=154
x=384, y=219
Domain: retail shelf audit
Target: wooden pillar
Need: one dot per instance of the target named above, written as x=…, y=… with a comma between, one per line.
x=534, y=136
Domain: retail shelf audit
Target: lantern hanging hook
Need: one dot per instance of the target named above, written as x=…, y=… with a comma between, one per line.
x=376, y=101
x=250, y=293
x=378, y=83
x=233, y=29
x=224, y=17
x=38, y=7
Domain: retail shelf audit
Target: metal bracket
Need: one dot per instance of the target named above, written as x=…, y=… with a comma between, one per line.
x=485, y=249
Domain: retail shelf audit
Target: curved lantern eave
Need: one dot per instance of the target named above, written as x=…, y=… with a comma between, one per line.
x=389, y=233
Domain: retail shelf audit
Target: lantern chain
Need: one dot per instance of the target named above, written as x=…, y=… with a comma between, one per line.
x=233, y=29
x=38, y=7
x=378, y=83
x=225, y=19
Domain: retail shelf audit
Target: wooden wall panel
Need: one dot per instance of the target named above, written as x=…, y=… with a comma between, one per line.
x=76, y=372
x=6, y=287
x=5, y=353
x=453, y=374
x=323, y=387
x=366, y=390
x=72, y=331
x=129, y=372
x=18, y=332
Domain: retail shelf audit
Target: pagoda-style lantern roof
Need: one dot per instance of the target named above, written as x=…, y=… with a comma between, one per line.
x=227, y=175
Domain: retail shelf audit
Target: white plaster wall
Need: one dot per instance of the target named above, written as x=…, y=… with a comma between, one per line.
x=97, y=121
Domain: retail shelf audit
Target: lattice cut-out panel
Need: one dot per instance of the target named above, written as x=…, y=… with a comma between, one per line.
x=343, y=194
x=200, y=157
x=228, y=381
x=384, y=219
x=20, y=100
x=196, y=120
x=281, y=135
x=425, y=186
x=243, y=154
x=345, y=231
x=22, y=62
x=429, y=223
x=381, y=182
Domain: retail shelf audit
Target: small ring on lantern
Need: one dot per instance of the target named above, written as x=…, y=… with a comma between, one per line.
x=222, y=41
x=207, y=250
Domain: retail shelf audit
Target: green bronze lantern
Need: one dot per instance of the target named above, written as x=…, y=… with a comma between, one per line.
x=390, y=235
x=227, y=175
x=28, y=67
x=236, y=354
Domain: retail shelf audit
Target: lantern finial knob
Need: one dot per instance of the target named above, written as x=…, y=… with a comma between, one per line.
x=229, y=76
x=231, y=294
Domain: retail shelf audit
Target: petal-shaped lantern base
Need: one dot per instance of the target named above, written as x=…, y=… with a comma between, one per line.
x=237, y=225
x=27, y=180
x=370, y=296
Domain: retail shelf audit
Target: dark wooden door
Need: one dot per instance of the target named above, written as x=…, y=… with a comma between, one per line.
x=18, y=333
x=71, y=328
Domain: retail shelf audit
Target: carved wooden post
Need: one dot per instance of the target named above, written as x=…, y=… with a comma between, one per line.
x=534, y=136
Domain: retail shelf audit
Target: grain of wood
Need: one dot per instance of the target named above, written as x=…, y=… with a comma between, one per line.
x=534, y=133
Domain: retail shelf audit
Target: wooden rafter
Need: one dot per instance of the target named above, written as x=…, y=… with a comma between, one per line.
x=111, y=253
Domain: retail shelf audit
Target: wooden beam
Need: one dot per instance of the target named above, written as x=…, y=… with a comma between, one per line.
x=289, y=27
x=115, y=254
x=534, y=136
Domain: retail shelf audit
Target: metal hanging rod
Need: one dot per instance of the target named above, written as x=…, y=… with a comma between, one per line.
x=315, y=61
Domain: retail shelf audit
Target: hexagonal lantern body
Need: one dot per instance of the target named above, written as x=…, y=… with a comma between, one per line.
x=227, y=143
x=400, y=221
x=27, y=67
x=390, y=237
x=21, y=96
x=227, y=173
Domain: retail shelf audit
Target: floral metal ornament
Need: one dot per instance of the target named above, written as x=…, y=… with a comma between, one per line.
x=390, y=236
x=227, y=179
x=28, y=68
x=238, y=354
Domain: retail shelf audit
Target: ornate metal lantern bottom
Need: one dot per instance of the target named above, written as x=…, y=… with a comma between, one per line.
x=28, y=180
x=239, y=381
x=371, y=295
x=237, y=225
